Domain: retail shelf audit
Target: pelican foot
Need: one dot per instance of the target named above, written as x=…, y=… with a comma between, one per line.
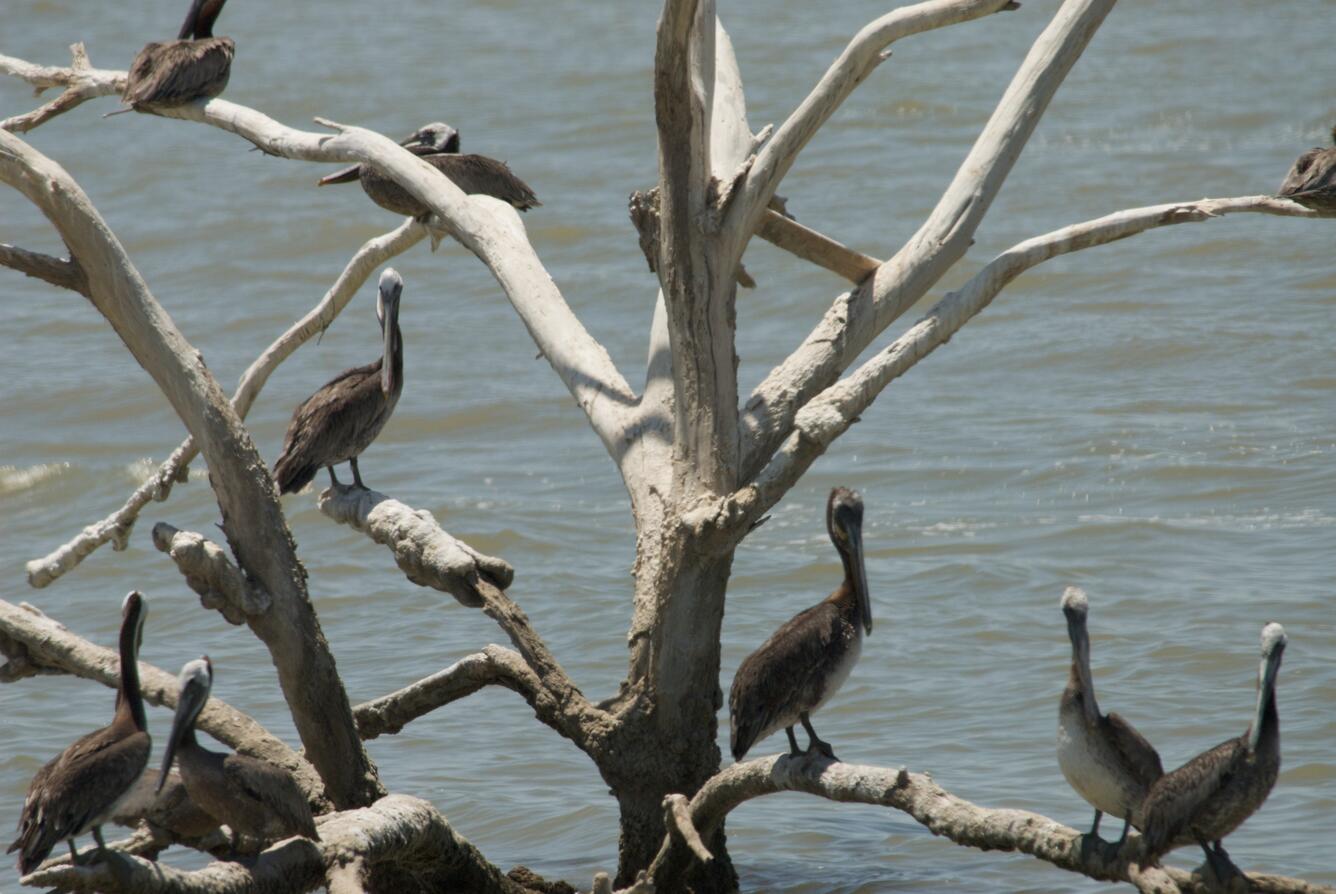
x=823, y=748
x=1220, y=872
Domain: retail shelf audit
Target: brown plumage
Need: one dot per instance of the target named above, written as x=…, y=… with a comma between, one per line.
x=1102, y=756
x=807, y=659
x=80, y=788
x=253, y=797
x=1211, y=795
x=341, y=420
x=195, y=66
x=1312, y=179
x=438, y=145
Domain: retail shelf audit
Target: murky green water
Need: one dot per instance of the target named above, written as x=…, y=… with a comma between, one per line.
x=1151, y=420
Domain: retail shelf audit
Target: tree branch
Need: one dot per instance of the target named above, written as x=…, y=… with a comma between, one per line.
x=856, y=318
x=48, y=646
x=833, y=411
x=494, y=665
x=116, y=528
x=396, y=833
x=933, y=807
x=66, y=274
x=816, y=248
x=252, y=517
x=209, y=572
x=863, y=54
x=429, y=557
x=81, y=81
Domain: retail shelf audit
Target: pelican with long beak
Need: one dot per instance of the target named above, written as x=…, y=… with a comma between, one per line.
x=339, y=421
x=253, y=797
x=1211, y=795
x=81, y=788
x=438, y=145
x=1104, y=758
x=805, y=661
x=194, y=66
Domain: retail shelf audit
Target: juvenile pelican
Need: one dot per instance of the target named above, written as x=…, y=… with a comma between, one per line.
x=438, y=145
x=194, y=66
x=80, y=789
x=804, y=662
x=341, y=420
x=1104, y=758
x=251, y=796
x=1312, y=179
x=1212, y=794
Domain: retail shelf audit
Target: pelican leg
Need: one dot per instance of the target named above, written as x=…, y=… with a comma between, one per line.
x=332, y=478
x=813, y=741
x=1094, y=827
x=1127, y=824
x=101, y=845
x=794, y=750
x=74, y=852
x=357, y=476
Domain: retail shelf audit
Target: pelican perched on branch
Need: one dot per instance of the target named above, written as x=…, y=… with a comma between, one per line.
x=1104, y=758
x=1212, y=794
x=80, y=789
x=1312, y=179
x=805, y=661
x=341, y=420
x=438, y=145
x=253, y=797
x=194, y=66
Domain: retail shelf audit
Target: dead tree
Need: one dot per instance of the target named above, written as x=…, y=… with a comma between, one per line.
x=702, y=464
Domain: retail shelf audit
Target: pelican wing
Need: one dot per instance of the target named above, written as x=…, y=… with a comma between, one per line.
x=179, y=71
x=1137, y=753
x=73, y=791
x=480, y=175
x=1174, y=800
x=786, y=675
x=275, y=789
x=332, y=426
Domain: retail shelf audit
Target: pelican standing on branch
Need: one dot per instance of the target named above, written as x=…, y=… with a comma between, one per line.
x=194, y=66
x=251, y=796
x=80, y=789
x=438, y=145
x=1212, y=794
x=1104, y=758
x=341, y=420
x=804, y=662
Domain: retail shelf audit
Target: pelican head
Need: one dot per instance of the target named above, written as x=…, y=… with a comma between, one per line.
x=437, y=136
x=196, y=681
x=387, y=311
x=1075, y=606
x=199, y=20
x=844, y=521
x=134, y=609
x=1273, y=647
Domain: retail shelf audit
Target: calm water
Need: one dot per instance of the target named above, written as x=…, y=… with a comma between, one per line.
x=1151, y=420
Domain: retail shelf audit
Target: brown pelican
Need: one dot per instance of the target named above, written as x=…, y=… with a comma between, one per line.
x=438, y=144
x=251, y=796
x=1104, y=758
x=1212, y=794
x=804, y=662
x=194, y=66
x=1312, y=179
x=341, y=420
x=80, y=789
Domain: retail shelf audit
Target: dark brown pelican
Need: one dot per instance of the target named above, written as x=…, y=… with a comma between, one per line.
x=80, y=788
x=438, y=144
x=1312, y=179
x=253, y=797
x=341, y=420
x=1212, y=794
x=1104, y=758
x=804, y=662
x=194, y=66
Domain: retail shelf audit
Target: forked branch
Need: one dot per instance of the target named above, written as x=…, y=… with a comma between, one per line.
x=938, y=810
x=81, y=81
x=430, y=557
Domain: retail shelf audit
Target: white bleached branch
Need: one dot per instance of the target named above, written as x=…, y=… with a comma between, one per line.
x=857, y=317
x=81, y=81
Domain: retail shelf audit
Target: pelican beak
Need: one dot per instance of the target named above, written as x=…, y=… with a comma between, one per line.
x=188, y=705
x=192, y=21
x=860, y=574
x=391, y=287
x=347, y=175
